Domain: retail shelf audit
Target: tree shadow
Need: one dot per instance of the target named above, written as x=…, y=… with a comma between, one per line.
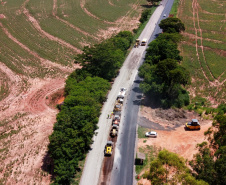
x=150, y=101
x=148, y=6
x=137, y=90
x=137, y=81
x=48, y=166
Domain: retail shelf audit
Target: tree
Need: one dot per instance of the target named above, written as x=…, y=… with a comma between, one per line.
x=153, y=1
x=160, y=50
x=172, y=25
x=169, y=168
x=209, y=163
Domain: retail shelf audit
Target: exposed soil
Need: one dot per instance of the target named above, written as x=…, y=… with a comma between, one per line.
x=28, y=111
x=172, y=135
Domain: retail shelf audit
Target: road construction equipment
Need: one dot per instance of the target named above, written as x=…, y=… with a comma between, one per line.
x=108, y=148
x=114, y=130
x=193, y=125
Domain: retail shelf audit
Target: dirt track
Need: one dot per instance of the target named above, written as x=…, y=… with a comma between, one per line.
x=26, y=117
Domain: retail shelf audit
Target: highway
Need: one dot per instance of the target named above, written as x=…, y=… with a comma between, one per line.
x=123, y=172
x=123, y=166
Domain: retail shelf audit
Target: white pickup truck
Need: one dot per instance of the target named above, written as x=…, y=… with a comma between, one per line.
x=122, y=93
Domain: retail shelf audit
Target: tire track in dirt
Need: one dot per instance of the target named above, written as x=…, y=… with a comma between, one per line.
x=36, y=100
x=49, y=36
x=196, y=39
x=82, y=5
x=192, y=36
x=125, y=19
x=54, y=12
x=14, y=89
x=44, y=62
x=200, y=31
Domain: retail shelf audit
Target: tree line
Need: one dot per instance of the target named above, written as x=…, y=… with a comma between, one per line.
x=209, y=164
x=164, y=77
x=85, y=92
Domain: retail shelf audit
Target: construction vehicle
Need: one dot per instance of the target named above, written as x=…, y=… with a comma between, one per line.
x=118, y=107
x=143, y=42
x=137, y=43
x=116, y=117
x=120, y=100
x=121, y=93
x=116, y=122
x=114, y=130
x=193, y=125
x=108, y=148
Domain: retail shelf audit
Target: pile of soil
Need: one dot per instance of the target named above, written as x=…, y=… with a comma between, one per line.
x=165, y=119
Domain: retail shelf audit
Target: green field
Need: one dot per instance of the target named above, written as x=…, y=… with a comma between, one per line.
x=205, y=23
x=70, y=23
x=56, y=30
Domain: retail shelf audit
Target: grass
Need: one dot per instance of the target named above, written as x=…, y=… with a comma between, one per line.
x=78, y=174
x=212, y=61
x=142, y=26
x=174, y=8
x=105, y=11
x=141, y=132
x=150, y=152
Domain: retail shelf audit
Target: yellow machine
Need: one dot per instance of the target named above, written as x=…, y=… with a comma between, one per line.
x=137, y=43
x=193, y=125
x=108, y=148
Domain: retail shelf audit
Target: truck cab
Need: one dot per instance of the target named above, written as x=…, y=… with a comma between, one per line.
x=143, y=42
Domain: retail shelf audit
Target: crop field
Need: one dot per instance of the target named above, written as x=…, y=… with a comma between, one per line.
x=38, y=42
x=204, y=47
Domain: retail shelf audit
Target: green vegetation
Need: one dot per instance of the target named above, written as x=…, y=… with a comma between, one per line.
x=150, y=154
x=141, y=131
x=209, y=163
x=174, y=8
x=105, y=59
x=162, y=74
x=85, y=92
x=171, y=25
x=206, y=62
x=167, y=162
x=76, y=124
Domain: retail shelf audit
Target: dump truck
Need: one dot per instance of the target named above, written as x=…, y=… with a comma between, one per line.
x=114, y=130
x=143, y=42
x=108, y=148
x=193, y=125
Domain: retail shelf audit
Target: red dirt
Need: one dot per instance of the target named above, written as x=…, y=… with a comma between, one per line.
x=29, y=110
x=178, y=140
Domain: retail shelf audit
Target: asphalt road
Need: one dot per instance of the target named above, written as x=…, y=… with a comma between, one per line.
x=124, y=150
x=123, y=169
